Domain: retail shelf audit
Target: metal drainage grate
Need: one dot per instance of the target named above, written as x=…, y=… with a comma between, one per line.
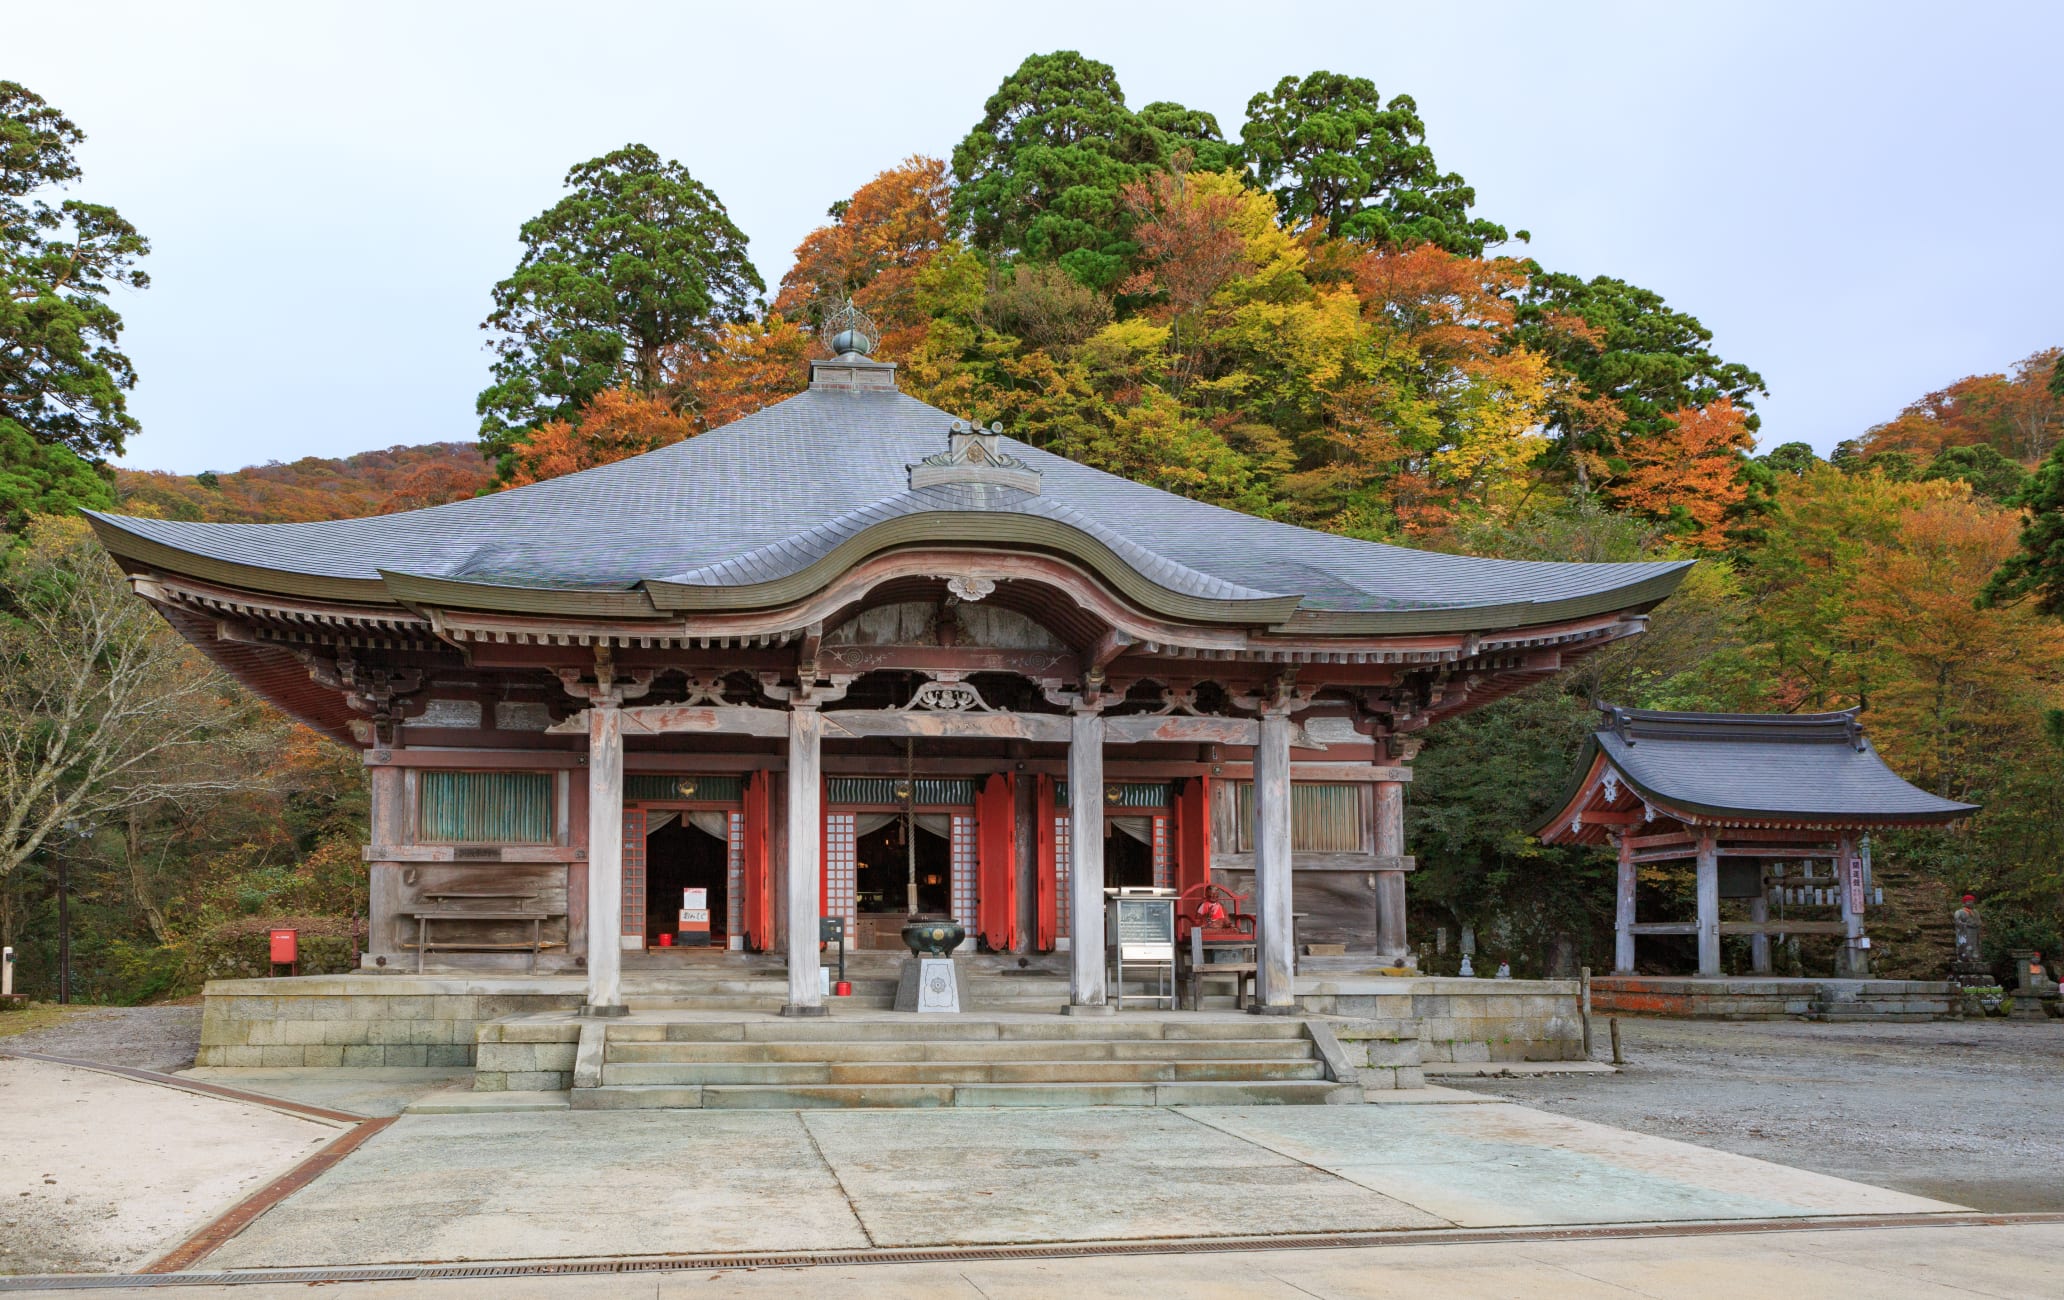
x=972, y=1254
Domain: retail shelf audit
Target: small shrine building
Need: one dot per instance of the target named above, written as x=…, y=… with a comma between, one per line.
x=851, y=656
x=1773, y=809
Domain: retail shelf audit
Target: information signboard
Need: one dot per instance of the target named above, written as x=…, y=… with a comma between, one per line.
x=1139, y=927
x=1145, y=928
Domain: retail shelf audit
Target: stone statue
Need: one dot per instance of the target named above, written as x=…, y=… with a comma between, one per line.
x=1970, y=933
x=1968, y=968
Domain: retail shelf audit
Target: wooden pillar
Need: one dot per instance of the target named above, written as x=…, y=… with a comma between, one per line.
x=1759, y=912
x=1274, y=984
x=1086, y=862
x=1390, y=884
x=805, y=853
x=1623, y=912
x=605, y=860
x=1708, y=905
x=1854, y=959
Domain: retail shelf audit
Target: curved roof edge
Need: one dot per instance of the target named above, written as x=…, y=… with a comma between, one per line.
x=658, y=597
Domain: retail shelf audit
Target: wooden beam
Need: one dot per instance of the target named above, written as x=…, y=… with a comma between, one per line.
x=1664, y=927
x=1783, y=927
x=940, y=659
x=1639, y=842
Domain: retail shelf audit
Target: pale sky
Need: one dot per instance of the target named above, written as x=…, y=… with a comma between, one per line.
x=1864, y=202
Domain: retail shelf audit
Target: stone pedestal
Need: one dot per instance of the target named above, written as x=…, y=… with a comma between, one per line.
x=931, y=984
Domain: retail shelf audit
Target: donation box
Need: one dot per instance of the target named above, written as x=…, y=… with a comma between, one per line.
x=695, y=931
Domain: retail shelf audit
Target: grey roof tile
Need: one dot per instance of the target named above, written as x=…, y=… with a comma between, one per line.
x=758, y=499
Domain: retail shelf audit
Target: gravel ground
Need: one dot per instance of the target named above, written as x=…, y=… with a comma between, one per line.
x=1969, y=1112
x=162, y=1038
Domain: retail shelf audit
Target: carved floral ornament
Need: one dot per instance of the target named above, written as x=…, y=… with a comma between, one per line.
x=970, y=586
x=947, y=696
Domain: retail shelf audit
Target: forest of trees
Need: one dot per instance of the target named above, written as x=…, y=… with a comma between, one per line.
x=1306, y=320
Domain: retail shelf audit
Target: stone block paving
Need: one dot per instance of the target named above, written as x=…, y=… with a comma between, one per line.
x=529, y=1186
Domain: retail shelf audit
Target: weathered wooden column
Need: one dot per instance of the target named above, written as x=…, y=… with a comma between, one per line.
x=1708, y=905
x=1390, y=880
x=805, y=858
x=1854, y=959
x=1623, y=910
x=605, y=858
x=1759, y=912
x=1086, y=862
x=1275, y=978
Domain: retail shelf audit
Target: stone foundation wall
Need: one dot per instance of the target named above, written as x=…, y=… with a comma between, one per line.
x=514, y=1056
x=1773, y=999
x=1464, y=1020
x=364, y=1020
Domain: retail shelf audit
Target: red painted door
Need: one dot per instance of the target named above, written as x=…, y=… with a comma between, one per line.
x=1193, y=833
x=996, y=890
x=1049, y=892
x=759, y=904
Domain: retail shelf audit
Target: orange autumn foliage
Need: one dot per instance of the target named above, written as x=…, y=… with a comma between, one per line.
x=2017, y=416
x=745, y=368
x=1948, y=682
x=437, y=483
x=873, y=250
x=1692, y=474
x=619, y=424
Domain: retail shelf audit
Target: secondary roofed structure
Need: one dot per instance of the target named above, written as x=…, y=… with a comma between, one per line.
x=1755, y=801
x=852, y=656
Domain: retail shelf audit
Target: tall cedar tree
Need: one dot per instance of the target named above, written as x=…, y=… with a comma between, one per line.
x=2037, y=567
x=640, y=259
x=63, y=379
x=1631, y=351
x=1040, y=174
x=1336, y=156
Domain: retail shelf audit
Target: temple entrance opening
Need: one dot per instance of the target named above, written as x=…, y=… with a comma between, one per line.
x=690, y=851
x=1128, y=852
x=890, y=849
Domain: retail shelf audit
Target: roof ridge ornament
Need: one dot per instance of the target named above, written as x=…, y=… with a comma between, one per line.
x=850, y=333
x=974, y=457
x=851, y=336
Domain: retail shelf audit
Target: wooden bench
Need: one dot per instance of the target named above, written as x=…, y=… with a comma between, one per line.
x=440, y=908
x=1201, y=950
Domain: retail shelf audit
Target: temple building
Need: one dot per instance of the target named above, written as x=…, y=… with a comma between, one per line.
x=852, y=656
x=1773, y=810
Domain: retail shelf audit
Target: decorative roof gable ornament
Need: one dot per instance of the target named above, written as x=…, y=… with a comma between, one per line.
x=974, y=456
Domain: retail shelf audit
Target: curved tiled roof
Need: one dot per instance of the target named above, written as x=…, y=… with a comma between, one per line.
x=760, y=506
x=1771, y=767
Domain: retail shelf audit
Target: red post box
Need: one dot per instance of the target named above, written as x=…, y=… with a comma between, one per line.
x=286, y=950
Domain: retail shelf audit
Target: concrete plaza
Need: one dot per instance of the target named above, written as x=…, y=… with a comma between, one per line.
x=536, y=1185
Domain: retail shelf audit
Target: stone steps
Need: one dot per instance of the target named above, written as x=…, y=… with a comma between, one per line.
x=866, y=1096
x=916, y=1028
x=958, y=1072
x=965, y=1050
x=967, y=1060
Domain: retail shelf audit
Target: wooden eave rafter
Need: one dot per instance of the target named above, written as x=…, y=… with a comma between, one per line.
x=241, y=615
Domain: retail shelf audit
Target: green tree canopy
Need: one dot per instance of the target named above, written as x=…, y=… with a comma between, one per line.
x=639, y=259
x=63, y=379
x=2037, y=569
x=1335, y=154
x=1980, y=464
x=1793, y=458
x=1190, y=131
x=1625, y=346
x=1039, y=176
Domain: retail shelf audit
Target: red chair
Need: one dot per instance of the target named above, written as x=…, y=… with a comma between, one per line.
x=1217, y=910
